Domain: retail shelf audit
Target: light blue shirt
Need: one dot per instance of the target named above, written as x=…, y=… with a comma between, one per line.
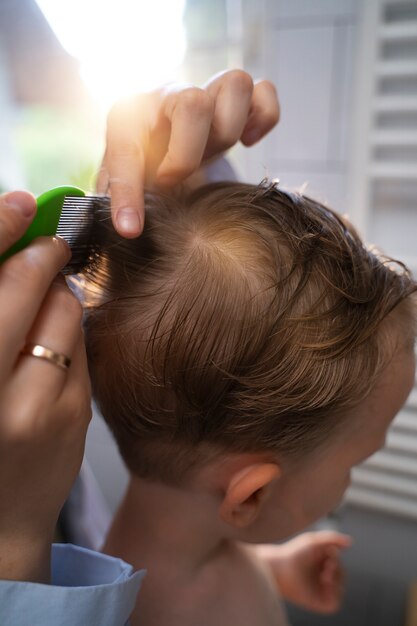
x=87, y=589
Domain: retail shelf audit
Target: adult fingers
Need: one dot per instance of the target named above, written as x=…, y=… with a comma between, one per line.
x=24, y=281
x=123, y=168
x=56, y=327
x=232, y=93
x=43, y=443
x=189, y=111
x=75, y=397
x=16, y=213
x=264, y=112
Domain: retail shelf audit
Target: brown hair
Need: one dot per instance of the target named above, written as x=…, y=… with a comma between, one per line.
x=245, y=318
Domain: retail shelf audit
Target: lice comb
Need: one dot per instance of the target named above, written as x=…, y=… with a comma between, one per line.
x=69, y=213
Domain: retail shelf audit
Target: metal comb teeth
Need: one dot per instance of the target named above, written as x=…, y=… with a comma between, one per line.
x=78, y=216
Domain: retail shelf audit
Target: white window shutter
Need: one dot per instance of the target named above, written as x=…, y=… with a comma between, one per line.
x=383, y=203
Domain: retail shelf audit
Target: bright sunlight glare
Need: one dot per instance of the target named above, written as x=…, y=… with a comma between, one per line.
x=123, y=46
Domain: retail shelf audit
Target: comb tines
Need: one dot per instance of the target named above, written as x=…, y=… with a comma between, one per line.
x=78, y=224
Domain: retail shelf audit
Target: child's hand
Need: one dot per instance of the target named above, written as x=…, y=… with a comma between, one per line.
x=308, y=570
x=162, y=137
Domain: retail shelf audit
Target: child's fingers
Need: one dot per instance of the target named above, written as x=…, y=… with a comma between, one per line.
x=331, y=537
x=331, y=569
x=264, y=112
x=331, y=585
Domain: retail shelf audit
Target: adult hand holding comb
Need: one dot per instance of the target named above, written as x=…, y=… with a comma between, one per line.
x=44, y=402
x=163, y=137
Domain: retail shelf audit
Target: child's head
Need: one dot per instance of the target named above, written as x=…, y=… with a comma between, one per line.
x=246, y=320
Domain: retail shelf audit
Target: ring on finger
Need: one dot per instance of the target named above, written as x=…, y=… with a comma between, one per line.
x=42, y=352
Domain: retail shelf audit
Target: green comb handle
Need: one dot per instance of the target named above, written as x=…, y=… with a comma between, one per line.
x=49, y=207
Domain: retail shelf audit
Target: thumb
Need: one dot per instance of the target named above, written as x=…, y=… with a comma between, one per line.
x=17, y=210
x=333, y=538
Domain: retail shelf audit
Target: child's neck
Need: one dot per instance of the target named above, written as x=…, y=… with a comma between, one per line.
x=161, y=526
x=196, y=573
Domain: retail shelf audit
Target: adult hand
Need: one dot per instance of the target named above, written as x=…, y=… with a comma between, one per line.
x=162, y=137
x=44, y=409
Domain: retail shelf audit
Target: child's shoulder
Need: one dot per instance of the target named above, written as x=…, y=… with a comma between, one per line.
x=236, y=588
x=233, y=587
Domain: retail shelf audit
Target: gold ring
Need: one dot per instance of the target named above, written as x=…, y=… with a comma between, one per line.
x=40, y=352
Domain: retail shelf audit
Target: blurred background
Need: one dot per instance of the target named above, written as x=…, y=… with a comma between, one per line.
x=346, y=72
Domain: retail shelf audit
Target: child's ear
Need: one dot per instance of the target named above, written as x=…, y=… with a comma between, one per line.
x=246, y=492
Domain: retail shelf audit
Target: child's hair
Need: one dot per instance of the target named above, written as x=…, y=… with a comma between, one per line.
x=245, y=318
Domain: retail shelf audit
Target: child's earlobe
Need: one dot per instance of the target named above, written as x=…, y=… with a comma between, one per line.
x=246, y=493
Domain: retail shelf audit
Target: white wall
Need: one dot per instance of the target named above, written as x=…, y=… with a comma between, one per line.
x=306, y=47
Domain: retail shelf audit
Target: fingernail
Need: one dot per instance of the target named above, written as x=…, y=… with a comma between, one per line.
x=128, y=221
x=21, y=201
x=63, y=242
x=252, y=136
